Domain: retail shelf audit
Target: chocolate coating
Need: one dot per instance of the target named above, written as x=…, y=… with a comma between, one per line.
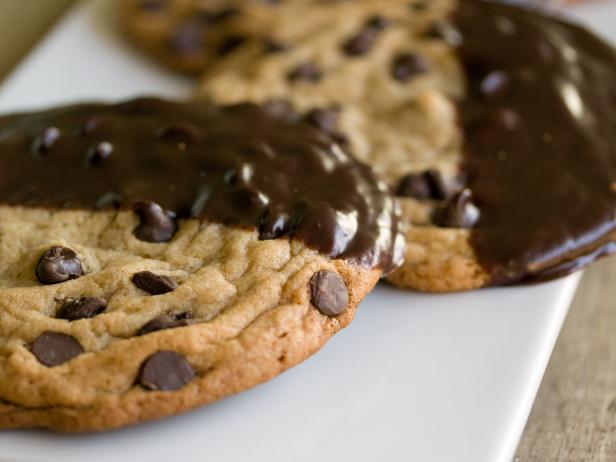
x=234, y=165
x=457, y=212
x=540, y=140
x=45, y=141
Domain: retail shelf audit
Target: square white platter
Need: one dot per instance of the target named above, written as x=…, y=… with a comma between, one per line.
x=416, y=377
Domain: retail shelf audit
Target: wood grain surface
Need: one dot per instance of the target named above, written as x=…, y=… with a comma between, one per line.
x=574, y=416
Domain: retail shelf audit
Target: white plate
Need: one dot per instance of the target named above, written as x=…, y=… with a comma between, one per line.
x=416, y=377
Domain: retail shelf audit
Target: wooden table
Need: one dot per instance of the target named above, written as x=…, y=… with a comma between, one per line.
x=574, y=417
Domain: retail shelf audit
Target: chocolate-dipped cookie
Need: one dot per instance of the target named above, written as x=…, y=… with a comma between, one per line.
x=491, y=122
x=212, y=249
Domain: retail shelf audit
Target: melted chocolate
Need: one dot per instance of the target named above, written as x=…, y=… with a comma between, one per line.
x=237, y=165
x=540, y=128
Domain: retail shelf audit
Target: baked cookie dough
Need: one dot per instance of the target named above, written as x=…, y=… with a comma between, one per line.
x=157, y=256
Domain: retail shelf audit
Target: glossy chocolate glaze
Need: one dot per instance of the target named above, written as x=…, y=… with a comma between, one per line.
x=540, y=129
x=237, y=165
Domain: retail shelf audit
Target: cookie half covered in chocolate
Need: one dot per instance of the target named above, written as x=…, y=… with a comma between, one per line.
x=490, y=122
x=212, y=249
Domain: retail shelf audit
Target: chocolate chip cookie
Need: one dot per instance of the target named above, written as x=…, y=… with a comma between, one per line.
x=157, y=256
x=188, y=35
x=475, y=113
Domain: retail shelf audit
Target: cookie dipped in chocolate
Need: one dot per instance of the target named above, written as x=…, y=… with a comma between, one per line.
x=237, y=165
x=540, y=151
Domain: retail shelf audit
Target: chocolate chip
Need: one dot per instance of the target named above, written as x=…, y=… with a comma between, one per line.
x=495, y=84
x=230, y=44
x=281, y=109
x=240, y=176
x=58, y=264
x=361, y=43
x=329, y=293
x=165, y=371
x=271, y=46
x=84, y=307
x=378, y=22
x=324, y=119
x=46, y=140
x=457, y=212
x=505, y=25
x=408, y=65
x=426, y=185
x=445, y=31
x=307, y=72
x=91, y=124
x=365, y=39
x=54, y=348
x=99, y=153
x=156, y=224
x=213, y=17
x=153, y=284
x=165, y=321
x=187, y=39
x=414, y=185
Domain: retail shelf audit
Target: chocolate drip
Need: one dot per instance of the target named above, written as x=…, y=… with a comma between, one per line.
x=236, y=165
x=540, y=129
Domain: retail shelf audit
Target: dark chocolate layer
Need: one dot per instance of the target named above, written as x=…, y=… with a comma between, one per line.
x=237, y=165
x=540, y=129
